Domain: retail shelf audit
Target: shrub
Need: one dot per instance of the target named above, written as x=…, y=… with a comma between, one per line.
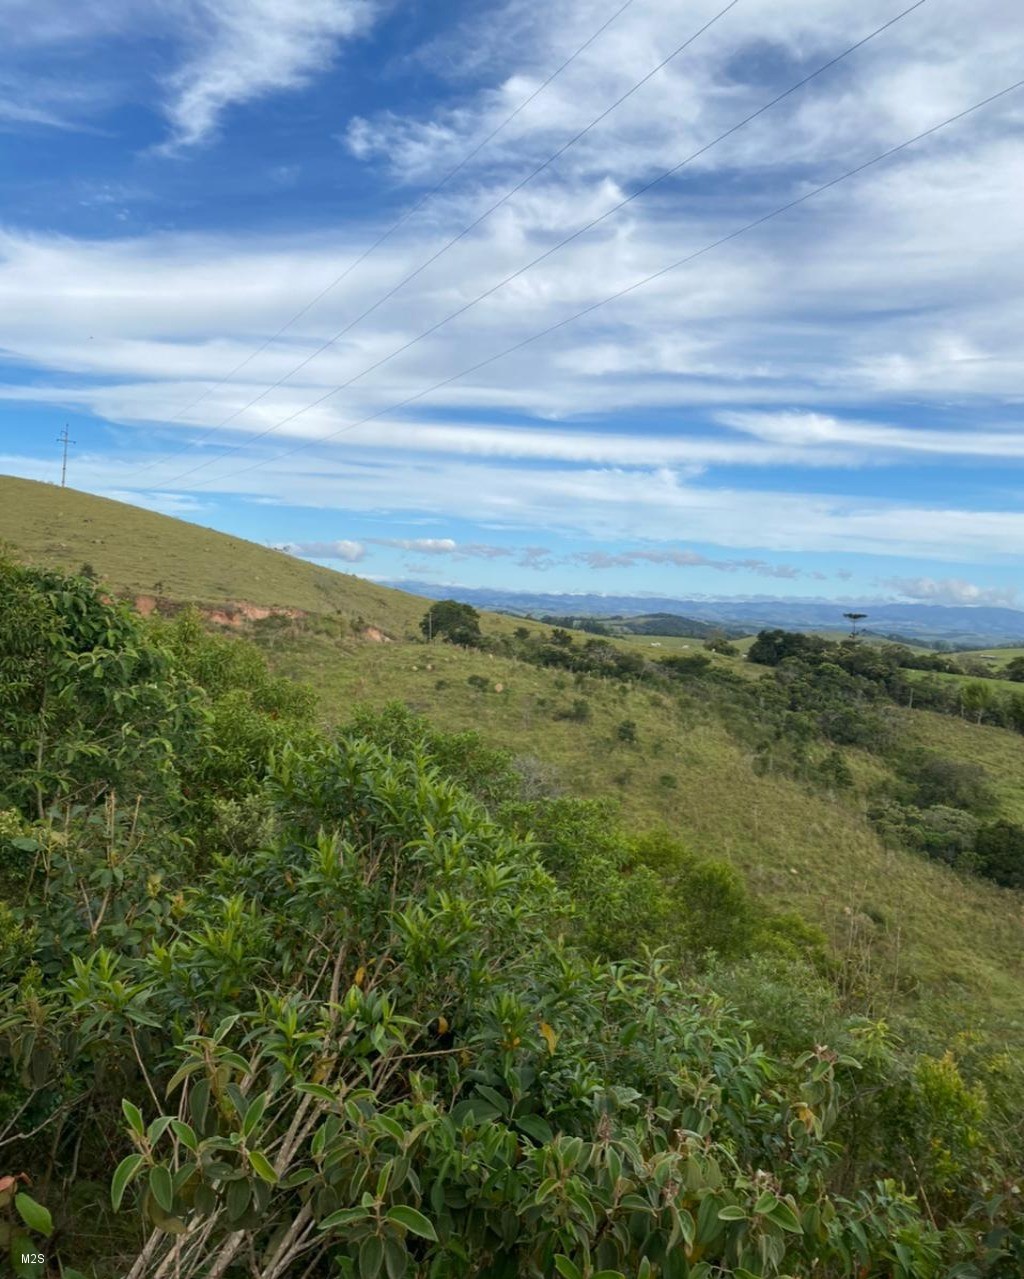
x=1000, y=851
x=578, y=713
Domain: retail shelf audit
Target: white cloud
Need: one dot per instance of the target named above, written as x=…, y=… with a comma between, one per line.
x=224, y=53
x=349, y=551
x=788, y=347
x=244, y=49
x=951, y=590
x=683, y=559
x=608, y=504
x=814, y=430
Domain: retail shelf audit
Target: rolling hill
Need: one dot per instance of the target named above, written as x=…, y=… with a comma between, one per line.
x=141, y=553
x=953, y=944
x=975, y=626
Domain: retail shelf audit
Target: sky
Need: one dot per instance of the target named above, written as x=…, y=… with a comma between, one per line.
x=386, y=282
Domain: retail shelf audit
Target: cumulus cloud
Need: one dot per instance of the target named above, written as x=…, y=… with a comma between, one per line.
x=951, y=590
x=348, y=551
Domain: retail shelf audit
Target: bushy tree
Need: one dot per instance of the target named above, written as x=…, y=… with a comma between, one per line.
x=1000, y=850
x=449, y=620
x=328, y=1013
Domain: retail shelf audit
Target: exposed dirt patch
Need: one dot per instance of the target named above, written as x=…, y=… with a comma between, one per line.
x=233, y=614
x=375, y=635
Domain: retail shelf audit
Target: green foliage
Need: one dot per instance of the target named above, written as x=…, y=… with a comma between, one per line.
x=1000, y=851
x=358, y=1006
x=718, y=643
x=956, y=783
x=449, y=620
x=578, y=713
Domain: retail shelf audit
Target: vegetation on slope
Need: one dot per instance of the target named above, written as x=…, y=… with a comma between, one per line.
x=280, y=1004
x=137, y=552
x=944, y=948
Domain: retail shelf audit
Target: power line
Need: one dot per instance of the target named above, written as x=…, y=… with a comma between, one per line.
x=63, y=439
x=589, y=226
x=471, y=226
x=387, y=234
x=638, y=284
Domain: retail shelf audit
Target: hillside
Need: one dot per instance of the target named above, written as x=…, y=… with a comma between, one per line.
x=285, y=1004
x=958, y=943
x=965, y=626
x=953, y=944
x=141, y=553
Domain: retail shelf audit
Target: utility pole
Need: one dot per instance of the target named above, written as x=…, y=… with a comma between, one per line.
x=63, y=439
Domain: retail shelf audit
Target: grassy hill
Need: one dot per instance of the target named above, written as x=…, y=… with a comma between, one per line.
x=138, y=552
x=956, y=945
x=951, y=945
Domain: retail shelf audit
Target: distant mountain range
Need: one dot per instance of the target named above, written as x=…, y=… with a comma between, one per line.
x=978, y=626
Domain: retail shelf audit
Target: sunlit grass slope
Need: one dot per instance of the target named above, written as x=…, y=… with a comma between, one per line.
x=139, y=552
x=955, y=945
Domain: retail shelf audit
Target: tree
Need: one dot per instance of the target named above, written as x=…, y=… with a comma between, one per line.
x=457, y=623
x=718, y=643
x=1014, y=670
x=853, y=619
x=1000, y=849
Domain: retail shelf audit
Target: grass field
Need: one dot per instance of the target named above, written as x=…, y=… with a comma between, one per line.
x=960, y=941
x=955, y=946
x=1000, y=685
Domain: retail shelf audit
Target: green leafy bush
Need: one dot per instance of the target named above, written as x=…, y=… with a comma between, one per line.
x=309, y=1006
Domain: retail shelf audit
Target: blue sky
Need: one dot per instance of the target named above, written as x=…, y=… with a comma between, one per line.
x=828, y=405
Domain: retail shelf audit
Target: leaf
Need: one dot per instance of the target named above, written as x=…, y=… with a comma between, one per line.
x=172, y=1225
x=566, y=1268
x=123, y=1174
x=371, y=1257
x=551, y=1039
x=134, y=1116
x=545, y=1189
x=413, y=1220
x=343, y=1217
x=396, y=1259
x=317, y=1090
x=157, y=1129
x=784, y=1216
x=185, y=1135
x=162, y=1187
x=253, y=1114
x=732, y=1212
x=237, y=1197
x=33, y=1214
x=536, y=1127
x=262, y=1166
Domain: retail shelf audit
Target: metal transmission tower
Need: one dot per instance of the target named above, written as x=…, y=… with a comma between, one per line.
x=63, y=439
